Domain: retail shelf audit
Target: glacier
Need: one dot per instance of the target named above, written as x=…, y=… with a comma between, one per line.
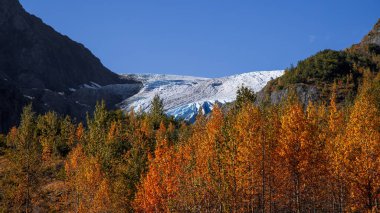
x=184, y=96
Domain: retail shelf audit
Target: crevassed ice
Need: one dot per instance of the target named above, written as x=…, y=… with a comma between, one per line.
x=183, y=96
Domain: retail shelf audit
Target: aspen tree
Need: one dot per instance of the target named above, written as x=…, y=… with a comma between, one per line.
x=292, y=149
x=335, y=145
x=362, y=154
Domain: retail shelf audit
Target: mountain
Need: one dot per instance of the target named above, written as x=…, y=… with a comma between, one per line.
x=34, y=55
x=313, y=78
x=183, y=96
x=39, y=65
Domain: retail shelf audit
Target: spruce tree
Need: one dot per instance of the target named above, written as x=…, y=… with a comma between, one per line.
x=244, y=95
x=156, y=112
x=25, y=156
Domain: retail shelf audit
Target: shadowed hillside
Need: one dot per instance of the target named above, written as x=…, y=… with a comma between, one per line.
x=39, y=65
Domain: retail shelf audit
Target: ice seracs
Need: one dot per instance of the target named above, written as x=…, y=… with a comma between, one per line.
x=183, y=96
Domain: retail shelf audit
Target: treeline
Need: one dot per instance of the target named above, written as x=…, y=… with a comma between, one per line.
x=273, y=158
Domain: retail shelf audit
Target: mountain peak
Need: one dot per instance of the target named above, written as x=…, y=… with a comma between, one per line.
x=34, y=55
x=373, y=37
x=42, y=66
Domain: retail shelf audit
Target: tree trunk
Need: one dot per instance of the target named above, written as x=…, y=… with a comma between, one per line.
x=263, y=175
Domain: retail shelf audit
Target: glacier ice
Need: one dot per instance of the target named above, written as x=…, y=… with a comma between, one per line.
x=183, y=96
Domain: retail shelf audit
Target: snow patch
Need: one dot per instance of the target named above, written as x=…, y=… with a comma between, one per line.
x=95, y=84
x=29, y=97
x=91, y=85
x=85, y=105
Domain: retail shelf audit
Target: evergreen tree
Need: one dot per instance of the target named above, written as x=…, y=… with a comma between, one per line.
x=97, y=129
x=47, y=129
x=244, y=95
x=156, y=112
x=67, y=136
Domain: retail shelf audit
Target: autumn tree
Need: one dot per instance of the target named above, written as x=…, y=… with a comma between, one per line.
x=316, y=167
x=192, y=187
x=302, y=167
x=210, y=163
x=158, y=188
x=88, y=189
x=362, y=154
x=271, y=127
x=335, y=151
x=80, y=134
x=25, y=156
x=245, y=159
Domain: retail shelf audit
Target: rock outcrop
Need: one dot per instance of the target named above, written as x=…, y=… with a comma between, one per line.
x=305, y=94
x=373, y=37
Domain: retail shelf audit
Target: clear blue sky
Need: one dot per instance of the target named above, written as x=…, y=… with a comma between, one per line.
x=207, y=37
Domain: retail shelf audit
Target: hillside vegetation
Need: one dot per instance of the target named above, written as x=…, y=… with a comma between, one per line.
x=346, y=68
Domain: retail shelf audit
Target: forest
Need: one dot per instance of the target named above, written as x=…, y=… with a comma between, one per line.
x=323, y=157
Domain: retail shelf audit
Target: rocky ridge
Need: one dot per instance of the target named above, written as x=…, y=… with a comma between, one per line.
x=38, y=65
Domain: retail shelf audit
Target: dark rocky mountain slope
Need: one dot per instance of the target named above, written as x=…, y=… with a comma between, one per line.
x=39, y=65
